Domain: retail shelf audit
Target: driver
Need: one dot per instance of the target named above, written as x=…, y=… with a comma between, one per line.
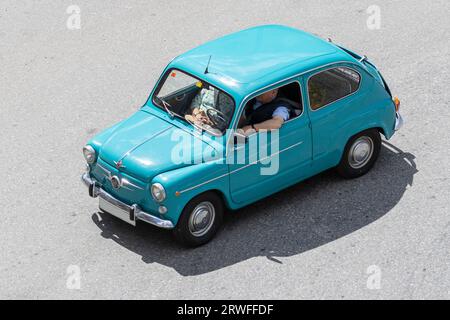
x=267, y=112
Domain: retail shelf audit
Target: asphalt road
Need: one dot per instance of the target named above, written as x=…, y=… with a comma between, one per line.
x=323, y=238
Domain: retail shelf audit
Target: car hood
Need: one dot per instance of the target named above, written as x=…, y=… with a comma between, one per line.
x=145, y=145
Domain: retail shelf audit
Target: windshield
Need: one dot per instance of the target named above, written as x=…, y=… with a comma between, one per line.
x=195, y=101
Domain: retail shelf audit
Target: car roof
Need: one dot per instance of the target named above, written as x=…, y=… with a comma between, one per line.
x=250, y=59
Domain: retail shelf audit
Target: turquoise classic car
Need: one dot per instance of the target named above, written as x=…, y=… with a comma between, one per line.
x=206, y=141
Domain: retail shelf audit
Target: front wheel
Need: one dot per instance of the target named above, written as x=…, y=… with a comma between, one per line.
x=200, y=220
x=360, y=154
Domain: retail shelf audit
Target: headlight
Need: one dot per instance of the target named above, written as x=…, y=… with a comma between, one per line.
x=89, y=154
x=158, y=192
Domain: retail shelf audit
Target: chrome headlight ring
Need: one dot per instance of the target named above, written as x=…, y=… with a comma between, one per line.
x=158, y=192
x=89, y=154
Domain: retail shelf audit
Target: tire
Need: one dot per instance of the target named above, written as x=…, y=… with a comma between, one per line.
x=189, y=233
x=360, y=154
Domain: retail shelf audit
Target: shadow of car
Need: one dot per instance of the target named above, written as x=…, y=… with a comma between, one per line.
x=303, y=217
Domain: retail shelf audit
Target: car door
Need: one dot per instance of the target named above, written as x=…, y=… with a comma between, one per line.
x=273, y=160
x=334, y=103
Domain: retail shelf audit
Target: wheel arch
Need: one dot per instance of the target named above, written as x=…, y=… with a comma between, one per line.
x=381, y=130
x=222, y=197
x=215, y=191
x=378, y=128
x=345, y=168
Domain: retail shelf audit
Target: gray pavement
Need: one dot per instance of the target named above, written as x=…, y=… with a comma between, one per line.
x=323, y=238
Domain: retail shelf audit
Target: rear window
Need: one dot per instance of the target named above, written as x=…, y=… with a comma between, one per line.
x=331, y=85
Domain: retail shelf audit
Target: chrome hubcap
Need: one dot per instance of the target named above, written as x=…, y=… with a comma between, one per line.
x=202, y=218
x=360, y=152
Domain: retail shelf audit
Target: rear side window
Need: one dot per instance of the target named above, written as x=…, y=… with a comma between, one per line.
x=331, y=85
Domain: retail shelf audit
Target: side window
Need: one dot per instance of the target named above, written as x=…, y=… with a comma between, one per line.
x=331, y=85
x=284, y=101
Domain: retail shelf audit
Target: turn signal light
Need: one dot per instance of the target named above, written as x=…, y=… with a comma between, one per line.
x=397, y=104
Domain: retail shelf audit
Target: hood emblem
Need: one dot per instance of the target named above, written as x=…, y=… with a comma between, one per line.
x=119, y=164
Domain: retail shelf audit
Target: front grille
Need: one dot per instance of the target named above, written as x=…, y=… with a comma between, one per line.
x=130, y=190
x=136, y=191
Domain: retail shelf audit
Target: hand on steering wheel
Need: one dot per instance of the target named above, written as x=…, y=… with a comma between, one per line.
x=217, y=117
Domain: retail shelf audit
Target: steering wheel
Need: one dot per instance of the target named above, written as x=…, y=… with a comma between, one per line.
x=217, y=117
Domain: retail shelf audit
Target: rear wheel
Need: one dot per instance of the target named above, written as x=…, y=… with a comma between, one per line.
x=360, y=154
x=200, y=220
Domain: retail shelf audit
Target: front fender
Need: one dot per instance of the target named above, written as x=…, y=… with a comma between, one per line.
x=97, y=141
x=185, y=183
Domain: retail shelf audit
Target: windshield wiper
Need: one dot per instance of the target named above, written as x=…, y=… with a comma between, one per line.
x=167, y=107
x=173, y=114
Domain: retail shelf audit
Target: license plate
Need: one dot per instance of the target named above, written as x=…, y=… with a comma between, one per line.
x=115, y=211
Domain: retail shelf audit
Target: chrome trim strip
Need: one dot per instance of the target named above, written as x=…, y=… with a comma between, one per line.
x=203, y=183
x=127, y=182
x=105, y=170
x=239, y=169
x=139, y=214
x=146, y=140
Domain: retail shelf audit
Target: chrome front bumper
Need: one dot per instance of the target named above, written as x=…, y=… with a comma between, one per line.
x=135, y=212
x=398, y=121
